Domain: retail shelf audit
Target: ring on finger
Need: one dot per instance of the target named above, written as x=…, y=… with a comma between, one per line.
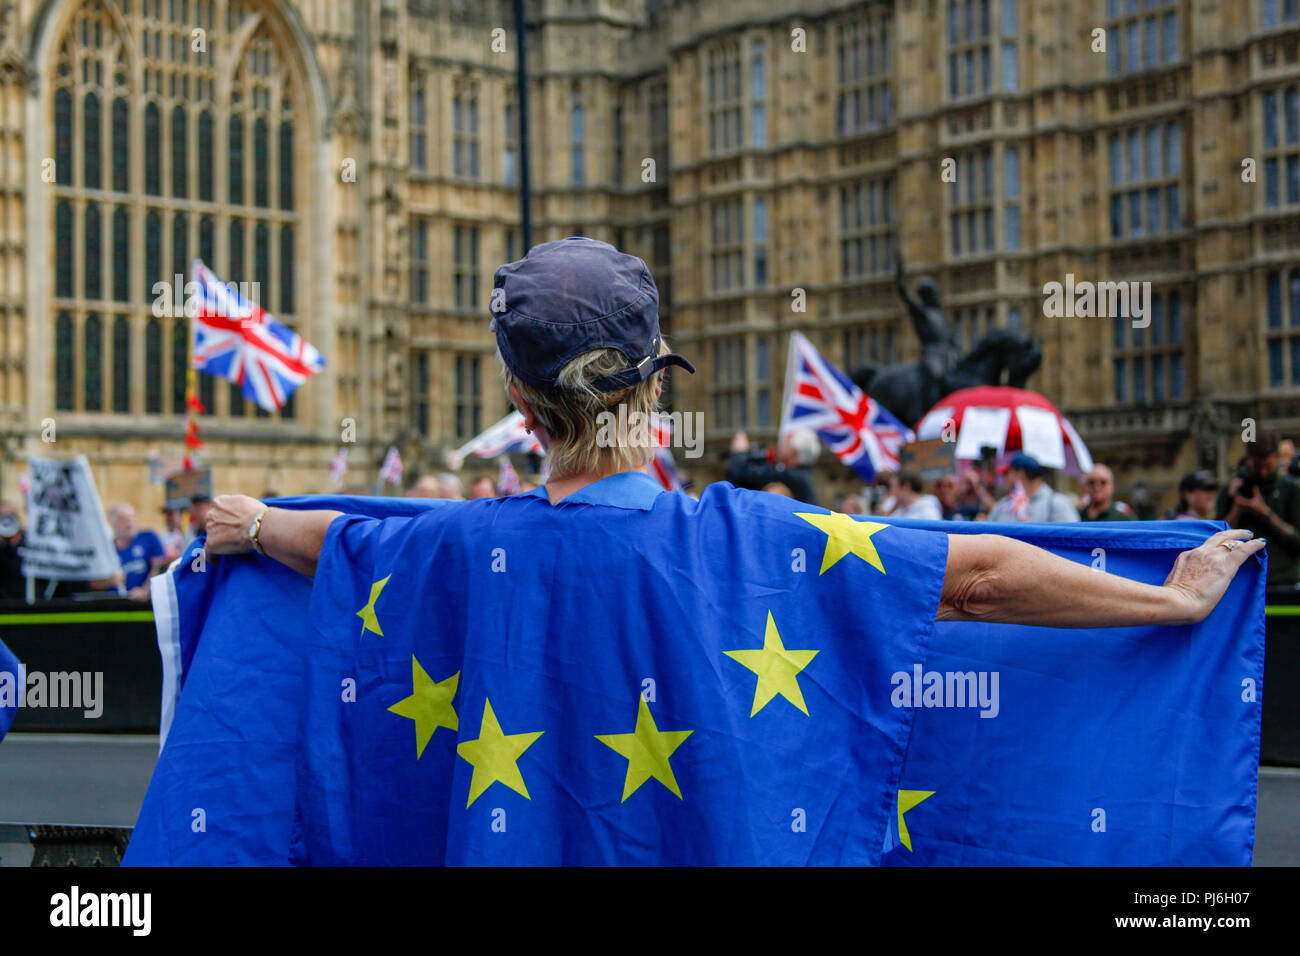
x=1230, y=545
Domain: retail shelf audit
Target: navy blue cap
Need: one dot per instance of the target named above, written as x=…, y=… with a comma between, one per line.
x=572, y=296
x=1026, y=463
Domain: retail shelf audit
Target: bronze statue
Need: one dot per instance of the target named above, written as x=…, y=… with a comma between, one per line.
x=910, y=389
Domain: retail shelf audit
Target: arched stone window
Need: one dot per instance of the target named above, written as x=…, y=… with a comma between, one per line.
x=197, y=164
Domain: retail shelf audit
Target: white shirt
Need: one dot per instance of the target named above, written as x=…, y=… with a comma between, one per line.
x=926, y=507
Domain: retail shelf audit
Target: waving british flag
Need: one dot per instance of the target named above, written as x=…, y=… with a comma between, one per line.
x=862, y=432
x=236, y=340
x=506, y=436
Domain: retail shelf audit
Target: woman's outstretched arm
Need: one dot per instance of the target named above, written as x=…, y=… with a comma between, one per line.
x=293, y=538
x=993, y=578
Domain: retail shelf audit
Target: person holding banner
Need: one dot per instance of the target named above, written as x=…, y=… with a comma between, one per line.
x=552, y=382
x=528, y=625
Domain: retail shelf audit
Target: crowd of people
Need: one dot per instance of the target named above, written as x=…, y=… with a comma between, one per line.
x=1263, y=497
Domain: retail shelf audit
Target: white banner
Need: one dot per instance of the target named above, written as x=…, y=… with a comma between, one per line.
x=67, y=535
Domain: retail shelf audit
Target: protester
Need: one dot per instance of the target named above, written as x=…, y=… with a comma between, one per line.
x=140, y=551
x=1143, y=509
x=1098, y=502
x=1031, y=498
x=851, y=505
x=200, y=505
x=987, y=577
x=483, y=488
x=792, y=464
x=884, y=493
x=173, y=536
x=912, y=502
x=974, y=500
x=13, y=586
x=945, y=492
x=1288, y=461
x=1196, y=494
x=1262, y=500
x=580, y=335
x=426, y=487
x=449, y=487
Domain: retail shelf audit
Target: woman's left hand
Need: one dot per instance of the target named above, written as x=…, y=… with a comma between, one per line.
x=228, y=523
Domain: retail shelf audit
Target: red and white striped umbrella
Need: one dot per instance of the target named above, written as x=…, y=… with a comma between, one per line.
x=1009, y=419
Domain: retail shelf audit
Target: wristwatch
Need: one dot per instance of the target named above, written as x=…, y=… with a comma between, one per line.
x=255, y=529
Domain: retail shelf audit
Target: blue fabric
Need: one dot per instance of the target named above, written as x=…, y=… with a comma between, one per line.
x=284, y=736
x=12, y=687
x=1151, y=733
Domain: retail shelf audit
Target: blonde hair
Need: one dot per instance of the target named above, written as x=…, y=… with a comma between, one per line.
x=577, y=418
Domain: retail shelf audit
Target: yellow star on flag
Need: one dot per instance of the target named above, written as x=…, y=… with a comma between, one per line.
x=647, y=750
x=907, y=799
x=846, y=536
x=494, y=756
x=429, y=705
x=777, y=669
x=367, y=614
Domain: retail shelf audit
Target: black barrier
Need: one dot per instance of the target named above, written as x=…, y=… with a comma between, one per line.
x=39, y=845
x=1281, y=735
x=98, y=664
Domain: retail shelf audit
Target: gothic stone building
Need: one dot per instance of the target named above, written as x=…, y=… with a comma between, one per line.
x=359, y=160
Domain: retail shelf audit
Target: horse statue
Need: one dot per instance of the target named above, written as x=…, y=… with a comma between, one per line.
x=910, y=389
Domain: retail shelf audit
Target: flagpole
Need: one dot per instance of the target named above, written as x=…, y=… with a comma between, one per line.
x=789, y=384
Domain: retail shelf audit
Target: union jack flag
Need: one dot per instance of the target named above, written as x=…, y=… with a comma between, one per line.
x=862, y=432
x=663, y=467
x=504, y=437
x=391, y=470
x=236, y=340
x=1019, y=502
x=339, y=467
x=507, y=478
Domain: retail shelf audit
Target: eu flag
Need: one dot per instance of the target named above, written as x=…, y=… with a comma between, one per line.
x=12, y=687
x=634, y=677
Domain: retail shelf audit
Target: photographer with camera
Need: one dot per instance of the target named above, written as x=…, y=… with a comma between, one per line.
x=790, y=464
x=1264, y=500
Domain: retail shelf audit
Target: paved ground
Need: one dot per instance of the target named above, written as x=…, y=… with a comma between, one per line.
x=100, y=779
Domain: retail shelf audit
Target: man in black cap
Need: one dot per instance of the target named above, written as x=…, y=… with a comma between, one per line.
x=577, y=332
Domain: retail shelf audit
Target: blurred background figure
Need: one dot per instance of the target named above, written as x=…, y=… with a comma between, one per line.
x=173, y=534
x=1031, y=497
x=1287, y=458
x=139, y=550
x=884, y=494
x=790, y=464
x=912, y=502
x=426, y=487
x=974, y=500
x=13, y=587
x=1196, y=492
x=1098, y=502
x=483, y=488
x=850, y=505
x=1144, y=508
x=945, y=492
x=449, y=487
x=1265, y=501
x=200, y=505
